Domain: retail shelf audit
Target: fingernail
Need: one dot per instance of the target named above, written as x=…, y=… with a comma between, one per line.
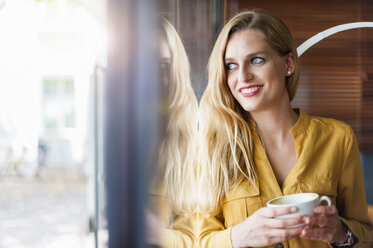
x=293, y=209
x=317, y=210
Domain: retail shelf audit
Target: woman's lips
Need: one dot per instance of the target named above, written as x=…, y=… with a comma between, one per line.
x=250, y=90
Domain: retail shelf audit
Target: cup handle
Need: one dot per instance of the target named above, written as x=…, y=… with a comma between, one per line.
x=325, y=198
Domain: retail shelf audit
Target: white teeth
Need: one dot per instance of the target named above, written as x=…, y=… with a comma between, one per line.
x=249, y=90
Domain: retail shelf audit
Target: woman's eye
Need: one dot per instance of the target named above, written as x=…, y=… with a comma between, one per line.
x=257, y=60
x=164, y=66
x=230, y=66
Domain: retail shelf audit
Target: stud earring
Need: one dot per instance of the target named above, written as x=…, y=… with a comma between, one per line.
x=289, y=72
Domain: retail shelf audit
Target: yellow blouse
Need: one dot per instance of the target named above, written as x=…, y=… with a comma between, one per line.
x=180, y=229
x=328, y=164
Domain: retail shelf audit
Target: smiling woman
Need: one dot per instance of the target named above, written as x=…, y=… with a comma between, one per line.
x=256, y=147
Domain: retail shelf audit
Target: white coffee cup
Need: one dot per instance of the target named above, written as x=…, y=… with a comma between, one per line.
x=304, y=202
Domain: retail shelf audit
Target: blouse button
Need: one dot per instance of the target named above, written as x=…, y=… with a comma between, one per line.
x=279, y=245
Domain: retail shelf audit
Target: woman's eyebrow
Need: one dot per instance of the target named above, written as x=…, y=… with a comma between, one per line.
x=227, y=59
x=165, y=60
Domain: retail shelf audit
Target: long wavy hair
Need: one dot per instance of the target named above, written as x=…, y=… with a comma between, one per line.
x=177, y=157
x=226, y=149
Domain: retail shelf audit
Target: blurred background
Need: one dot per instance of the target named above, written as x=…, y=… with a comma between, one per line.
x=51, y=56
x=76, y=131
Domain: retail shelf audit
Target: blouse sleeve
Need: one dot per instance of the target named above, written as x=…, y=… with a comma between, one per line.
x=212, y=232
x=351, y=200
x=181, y=229
x=182, y=232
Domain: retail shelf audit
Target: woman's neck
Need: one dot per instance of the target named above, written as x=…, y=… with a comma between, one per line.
x=275, y=123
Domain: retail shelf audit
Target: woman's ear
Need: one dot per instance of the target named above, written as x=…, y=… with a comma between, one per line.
x=290, y=66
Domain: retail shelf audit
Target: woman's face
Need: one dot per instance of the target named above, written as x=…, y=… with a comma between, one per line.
x=165, y=61
x=255, y=72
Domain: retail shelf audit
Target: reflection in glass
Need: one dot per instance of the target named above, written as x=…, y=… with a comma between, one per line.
x=172, y=189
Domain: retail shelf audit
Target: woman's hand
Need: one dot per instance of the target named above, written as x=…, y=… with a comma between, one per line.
x=330, y=228
x=263, y=229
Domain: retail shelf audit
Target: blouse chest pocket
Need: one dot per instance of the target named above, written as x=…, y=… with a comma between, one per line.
x=240, y=204
x=321, y=187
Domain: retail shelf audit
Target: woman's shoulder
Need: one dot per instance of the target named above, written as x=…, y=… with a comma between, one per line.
x=327, y=125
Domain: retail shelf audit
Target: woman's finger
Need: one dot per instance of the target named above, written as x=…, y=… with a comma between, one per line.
x=280, y=235
x=273, y=212
x=324, y=234
x=321, y=221
x=327, y=210
x=284, y=223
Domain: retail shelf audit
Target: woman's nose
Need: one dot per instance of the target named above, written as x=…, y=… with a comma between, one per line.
x=244, y=74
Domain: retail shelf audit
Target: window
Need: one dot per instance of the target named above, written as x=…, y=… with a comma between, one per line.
x=59, y=111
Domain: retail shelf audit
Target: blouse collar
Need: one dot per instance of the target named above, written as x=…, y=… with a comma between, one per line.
x=300, y=126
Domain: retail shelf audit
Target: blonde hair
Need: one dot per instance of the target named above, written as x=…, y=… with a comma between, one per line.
x=226, y=151
x=178, y=149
